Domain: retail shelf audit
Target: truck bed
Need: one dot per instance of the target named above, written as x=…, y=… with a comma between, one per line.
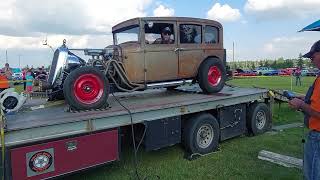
x=54, y=121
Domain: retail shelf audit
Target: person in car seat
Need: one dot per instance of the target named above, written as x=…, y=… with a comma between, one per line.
x=165, y=37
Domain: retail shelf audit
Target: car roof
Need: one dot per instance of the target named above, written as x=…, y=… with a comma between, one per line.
x=16, y=70
x=135, y=21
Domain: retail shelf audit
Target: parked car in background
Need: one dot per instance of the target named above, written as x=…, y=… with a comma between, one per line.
x=284, y=72
x=266, y=71
x=261, y=70
x=304, y=72
x=290, y=70
x=312, y=72
x=241, y=72
x=271, y=72
x=17, y=74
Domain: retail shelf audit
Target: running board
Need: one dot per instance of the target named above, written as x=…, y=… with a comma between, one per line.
x=168, y=84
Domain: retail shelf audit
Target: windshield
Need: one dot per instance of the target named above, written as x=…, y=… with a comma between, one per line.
x=127, y=35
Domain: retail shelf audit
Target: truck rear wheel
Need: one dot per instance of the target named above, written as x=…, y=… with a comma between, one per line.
x=211, y=75
x=86, y=88
x=259, y=118
x=201, y=134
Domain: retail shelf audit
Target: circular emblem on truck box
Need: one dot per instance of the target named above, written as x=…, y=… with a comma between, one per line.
x=40, y=161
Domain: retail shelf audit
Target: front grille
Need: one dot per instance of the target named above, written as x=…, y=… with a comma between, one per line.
x=53, y=66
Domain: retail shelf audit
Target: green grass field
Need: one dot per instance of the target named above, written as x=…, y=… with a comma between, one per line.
x=282, y=114
x=274, y=82
x=237, y=158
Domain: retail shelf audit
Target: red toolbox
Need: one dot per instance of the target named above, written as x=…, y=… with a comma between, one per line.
x=59, y=157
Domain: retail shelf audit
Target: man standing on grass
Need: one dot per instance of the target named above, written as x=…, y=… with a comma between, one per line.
x=297, y=74
x=310, y=106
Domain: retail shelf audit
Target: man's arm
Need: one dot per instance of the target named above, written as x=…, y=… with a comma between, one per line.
x=157, y=41
x=299, y=104
x=302, y=97
x=306, y=108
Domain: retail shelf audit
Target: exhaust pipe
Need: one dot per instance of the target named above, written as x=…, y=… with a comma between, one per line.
x=168, y=84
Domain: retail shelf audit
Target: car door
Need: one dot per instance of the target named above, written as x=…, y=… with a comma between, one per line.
x=189, y=48
x=161, y=60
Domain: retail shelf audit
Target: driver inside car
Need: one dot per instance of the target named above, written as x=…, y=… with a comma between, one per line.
x=165, y=37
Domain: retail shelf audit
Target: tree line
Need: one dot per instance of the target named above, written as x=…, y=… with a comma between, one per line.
x=279, y=63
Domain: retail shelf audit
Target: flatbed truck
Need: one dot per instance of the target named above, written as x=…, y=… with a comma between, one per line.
x=45, y=140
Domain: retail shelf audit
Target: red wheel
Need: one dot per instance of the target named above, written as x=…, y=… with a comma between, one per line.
x=211, y=75
x=86, y=88
x=214, y=76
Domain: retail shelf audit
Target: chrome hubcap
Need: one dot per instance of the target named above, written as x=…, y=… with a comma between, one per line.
x=261, y=119
x=205, y=136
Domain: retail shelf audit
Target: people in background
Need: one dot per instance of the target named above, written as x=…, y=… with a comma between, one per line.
x=4, y=83
x=8, y=72
x=29, y=81
x=297, y=74
x=42, y=75
x=24, y=72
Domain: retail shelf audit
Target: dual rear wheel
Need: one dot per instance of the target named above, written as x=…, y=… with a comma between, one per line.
x=201, y=133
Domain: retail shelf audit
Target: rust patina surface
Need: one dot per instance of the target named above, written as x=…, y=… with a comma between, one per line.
x=145, y=61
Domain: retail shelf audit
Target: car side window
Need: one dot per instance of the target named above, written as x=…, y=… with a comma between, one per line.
x=190, y=34
x=211, y=35
x=159, y=33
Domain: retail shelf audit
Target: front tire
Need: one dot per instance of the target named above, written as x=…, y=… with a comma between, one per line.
x=211, y=75
x=86, y=88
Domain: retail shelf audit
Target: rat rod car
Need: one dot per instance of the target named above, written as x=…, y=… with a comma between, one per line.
x=139, y=59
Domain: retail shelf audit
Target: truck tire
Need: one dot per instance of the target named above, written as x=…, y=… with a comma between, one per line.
x=86, y=88
x=201, y=134
x=258, y=118
x=211, y=75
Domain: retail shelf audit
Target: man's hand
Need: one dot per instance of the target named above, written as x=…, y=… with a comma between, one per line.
x=300, y=97
x=296, y=103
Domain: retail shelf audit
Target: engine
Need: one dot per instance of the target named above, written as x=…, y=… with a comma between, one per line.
x=64, y=61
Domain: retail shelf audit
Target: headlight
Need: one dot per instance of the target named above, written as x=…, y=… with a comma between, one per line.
x=72, y=61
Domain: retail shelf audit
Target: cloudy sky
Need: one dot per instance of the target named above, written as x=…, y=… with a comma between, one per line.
x=260, y=29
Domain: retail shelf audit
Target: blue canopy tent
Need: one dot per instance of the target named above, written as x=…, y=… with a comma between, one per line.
x=312, y=27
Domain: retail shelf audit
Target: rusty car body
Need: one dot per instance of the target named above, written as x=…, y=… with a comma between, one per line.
x=136, y=61
x=167, y=61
